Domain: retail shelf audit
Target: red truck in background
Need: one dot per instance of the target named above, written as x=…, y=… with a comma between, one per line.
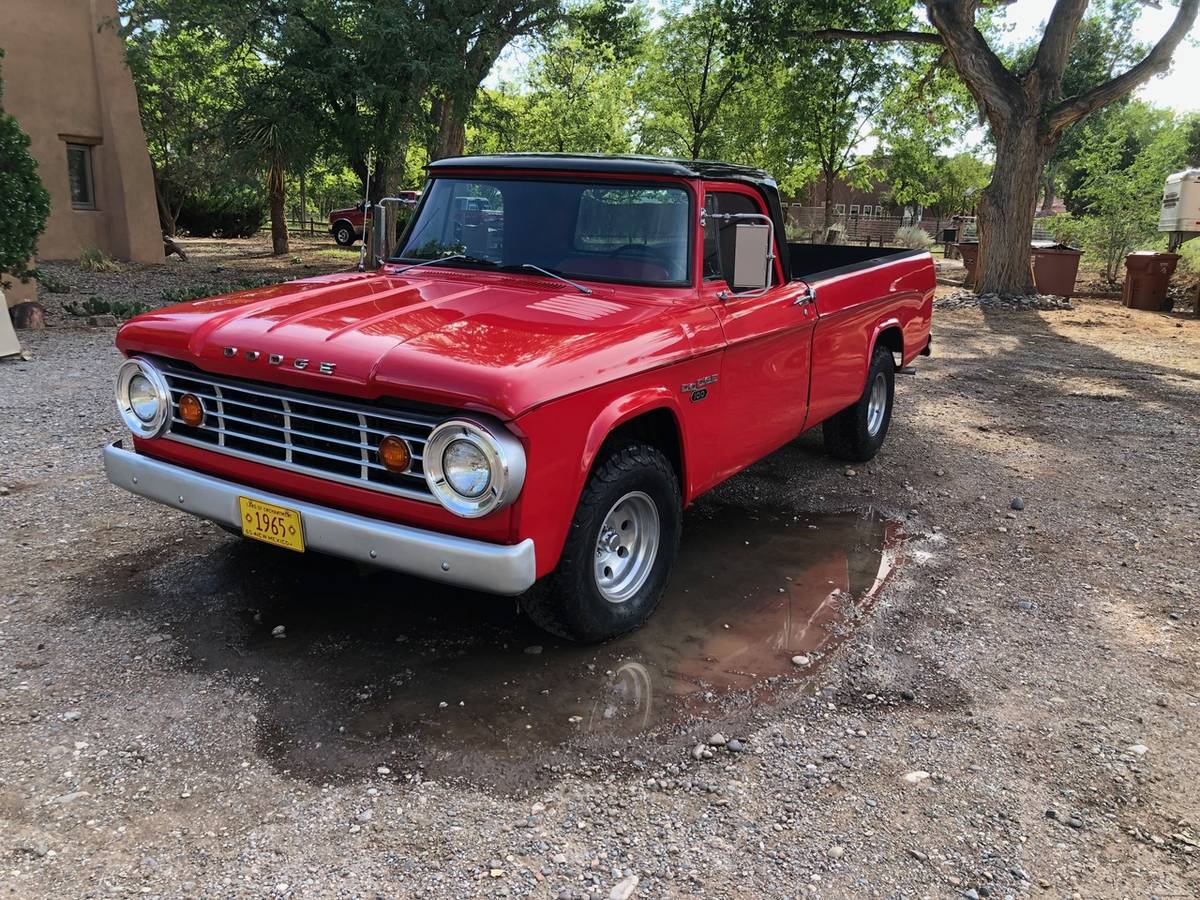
x=347, y=225
x=558, y=356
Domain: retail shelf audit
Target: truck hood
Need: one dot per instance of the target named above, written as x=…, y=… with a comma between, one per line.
x=466, y=339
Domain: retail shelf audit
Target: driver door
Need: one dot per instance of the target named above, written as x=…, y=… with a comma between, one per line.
x=765, y=373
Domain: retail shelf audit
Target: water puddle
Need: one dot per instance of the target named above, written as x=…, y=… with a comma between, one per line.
x=376, y=669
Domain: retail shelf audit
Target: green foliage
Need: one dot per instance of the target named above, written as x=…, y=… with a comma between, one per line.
x=1124, y=158
x=98, y=306
x=24, y=203
x=229, y=208
x=202, y=290
x=574, y=99
x=93, y=259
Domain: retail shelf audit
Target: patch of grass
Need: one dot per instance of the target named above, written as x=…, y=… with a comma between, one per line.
x=93, y=259
x=98, y=306
x=201, y=290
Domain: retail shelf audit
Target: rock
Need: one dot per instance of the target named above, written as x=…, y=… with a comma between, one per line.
x=624, y=888
x=1017, y=503
x=1052, y=813
x=105, y=321
x=801, y=660
x=971, y=894
x=849, y=473
x=735, y=746
x=1025, y=604
x=560, y=858
x=29, y=315
x=908, y=695
x=534, y=649
x=836, y=852
x=71, y=715
x=383, y=770
x=1075, y=822
x=917, y=855
x=717, y=740
x=1137, y=749
x=699, y=750
x=916, y=776
x=279, y=631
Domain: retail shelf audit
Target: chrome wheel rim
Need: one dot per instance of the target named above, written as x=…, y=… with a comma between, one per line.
x=876, y=404
x=626, y=547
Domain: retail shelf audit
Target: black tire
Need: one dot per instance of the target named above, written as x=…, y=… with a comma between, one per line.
x=569, y=602
x=343, y=234
x=849, y=435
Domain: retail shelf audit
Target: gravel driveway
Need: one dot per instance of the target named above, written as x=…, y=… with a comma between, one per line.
x=1012, y=711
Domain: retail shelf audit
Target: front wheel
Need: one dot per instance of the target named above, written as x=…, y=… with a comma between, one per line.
x=856, y=434
x=343, y=234
x=619, y=552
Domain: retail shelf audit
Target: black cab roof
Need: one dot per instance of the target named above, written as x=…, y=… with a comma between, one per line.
x=616, y=165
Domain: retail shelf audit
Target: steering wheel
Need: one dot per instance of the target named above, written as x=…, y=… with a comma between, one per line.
x=641, y=251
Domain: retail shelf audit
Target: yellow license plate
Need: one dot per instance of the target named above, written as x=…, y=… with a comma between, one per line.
x=276, y=525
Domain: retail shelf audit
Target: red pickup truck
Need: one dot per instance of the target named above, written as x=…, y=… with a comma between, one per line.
x=346, y=225
x=558, y=356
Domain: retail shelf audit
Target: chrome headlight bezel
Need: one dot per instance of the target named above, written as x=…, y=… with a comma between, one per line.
x=505, y=459
x=135, y=423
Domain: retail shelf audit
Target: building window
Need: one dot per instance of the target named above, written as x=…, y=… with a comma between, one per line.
x=841, y=209
x=854, y=209
x=879, y=212
x=79, y=174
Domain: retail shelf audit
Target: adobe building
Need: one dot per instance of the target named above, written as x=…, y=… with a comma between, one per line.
x=66, y=83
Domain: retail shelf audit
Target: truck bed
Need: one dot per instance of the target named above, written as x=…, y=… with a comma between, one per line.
x=812, y=262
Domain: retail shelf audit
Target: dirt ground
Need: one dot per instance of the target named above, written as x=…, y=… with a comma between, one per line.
x=986, y=701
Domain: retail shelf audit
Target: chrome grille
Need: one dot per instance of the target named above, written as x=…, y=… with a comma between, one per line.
x=300, y=431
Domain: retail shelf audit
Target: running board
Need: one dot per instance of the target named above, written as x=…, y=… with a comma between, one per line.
x=907, y=370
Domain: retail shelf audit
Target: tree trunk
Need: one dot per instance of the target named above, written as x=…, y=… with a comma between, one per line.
x=451, y=120
x=1049, y=190
x=828, y=205
x=275, y=195
x=1006, y=211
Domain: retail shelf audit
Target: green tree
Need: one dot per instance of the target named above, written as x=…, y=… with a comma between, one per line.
x=22, y=197
x=1126, y=158
x=187, y=79
x=1027, y=110
x=689, y=84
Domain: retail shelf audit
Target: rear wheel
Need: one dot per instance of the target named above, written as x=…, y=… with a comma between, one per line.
x=619, y=552
x=856, y=433
x=343, y=234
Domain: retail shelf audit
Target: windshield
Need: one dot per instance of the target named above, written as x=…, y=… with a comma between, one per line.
x=632, y=233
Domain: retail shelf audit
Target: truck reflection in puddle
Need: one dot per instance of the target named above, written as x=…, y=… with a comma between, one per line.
x=749, y=594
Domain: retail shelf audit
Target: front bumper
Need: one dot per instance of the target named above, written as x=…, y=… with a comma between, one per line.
x=495, y=568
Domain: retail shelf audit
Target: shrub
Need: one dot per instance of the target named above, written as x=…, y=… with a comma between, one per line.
x=93, y=259
x=914, y=237
x=52, y=284
x=23, y=200
x=229, y=212
x=210, y=289
x=98, y=306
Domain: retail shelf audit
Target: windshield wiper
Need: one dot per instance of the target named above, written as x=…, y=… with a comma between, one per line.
x=430, y=262
x=550, y=274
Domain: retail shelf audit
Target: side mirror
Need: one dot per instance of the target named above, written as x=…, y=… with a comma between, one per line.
x=379, y=233
x=751, y=256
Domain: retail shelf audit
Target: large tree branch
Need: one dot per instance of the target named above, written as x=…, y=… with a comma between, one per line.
x=994, y=88
x=1055, y=47
x=1157, y=61
x=873, y=37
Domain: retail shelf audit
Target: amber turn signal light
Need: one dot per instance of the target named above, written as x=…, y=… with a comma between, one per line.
x=394, y=454
x=191, y=410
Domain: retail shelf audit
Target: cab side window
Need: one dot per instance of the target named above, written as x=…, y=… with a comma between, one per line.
x=718, y=234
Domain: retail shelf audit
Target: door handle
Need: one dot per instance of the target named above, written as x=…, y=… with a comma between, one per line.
x=809, y=296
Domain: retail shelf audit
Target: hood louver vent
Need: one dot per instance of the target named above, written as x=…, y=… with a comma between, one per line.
x=586, y=309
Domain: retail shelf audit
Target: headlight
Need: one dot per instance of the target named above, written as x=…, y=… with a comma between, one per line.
x=473, y=468
x=143, y=398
